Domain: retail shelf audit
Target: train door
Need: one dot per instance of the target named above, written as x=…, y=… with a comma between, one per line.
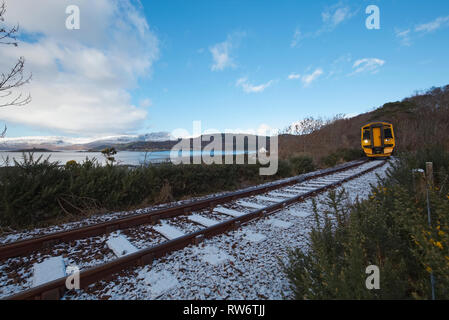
x=377, y=137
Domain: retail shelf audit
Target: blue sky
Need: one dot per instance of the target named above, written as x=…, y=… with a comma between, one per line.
x=241, y=64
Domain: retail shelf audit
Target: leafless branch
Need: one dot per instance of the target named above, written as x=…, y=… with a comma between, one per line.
x=18, y=101
x=7, y=36
x=16, y=77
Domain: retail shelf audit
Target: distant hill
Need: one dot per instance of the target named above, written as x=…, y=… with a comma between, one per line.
x=419, y=120
x=33, y=150
x=158, y=141
x=77, y=144
x=136, y=146
x=228, y=141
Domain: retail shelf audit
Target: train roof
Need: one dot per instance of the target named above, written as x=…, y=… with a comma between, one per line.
x=377, y=122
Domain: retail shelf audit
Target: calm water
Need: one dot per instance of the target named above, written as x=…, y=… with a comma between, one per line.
x=123, y=157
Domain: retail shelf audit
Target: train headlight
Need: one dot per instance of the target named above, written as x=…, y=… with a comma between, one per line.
x=365, y=141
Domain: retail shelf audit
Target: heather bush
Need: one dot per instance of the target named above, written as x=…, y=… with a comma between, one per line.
x=342, y=155
x=301, y=164
x=389, y=229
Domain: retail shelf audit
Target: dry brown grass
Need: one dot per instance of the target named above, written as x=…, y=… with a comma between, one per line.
x=419, y=121
x=165, y=194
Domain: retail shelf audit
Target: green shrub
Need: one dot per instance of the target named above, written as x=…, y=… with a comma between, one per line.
x=389, y=230
x=393, y=109
x=38, y=191
x=331, y=160
x=301, y=164
x=342, y=155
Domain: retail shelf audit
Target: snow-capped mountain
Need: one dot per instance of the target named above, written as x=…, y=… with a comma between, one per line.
x=71, y=143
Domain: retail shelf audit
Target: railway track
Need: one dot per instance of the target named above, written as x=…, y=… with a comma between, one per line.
x=155, y=234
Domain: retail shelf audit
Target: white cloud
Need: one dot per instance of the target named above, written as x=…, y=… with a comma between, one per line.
x=250, y=88
x=296, y=38
x=404, y=36
x=221, y=52
x=294, y=76
x=145, y=103
x=433, y=25
x=338, y=66
x=309, y=78
x=331, y=17
x=367, y=65
x=335, y=15
x=81, y=78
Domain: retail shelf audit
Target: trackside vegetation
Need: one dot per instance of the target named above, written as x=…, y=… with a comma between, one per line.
x=37, y=192
x=389, y=229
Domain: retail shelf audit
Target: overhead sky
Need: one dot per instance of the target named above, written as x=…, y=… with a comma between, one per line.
x=137, y=67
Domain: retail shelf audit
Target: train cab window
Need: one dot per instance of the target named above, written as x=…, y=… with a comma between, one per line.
x=387, y=133
x=366, y=134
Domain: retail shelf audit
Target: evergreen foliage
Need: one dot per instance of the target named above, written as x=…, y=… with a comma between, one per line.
x=37, y=191
x=389, y=230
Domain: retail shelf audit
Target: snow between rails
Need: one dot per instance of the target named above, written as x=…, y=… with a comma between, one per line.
x=242, y=268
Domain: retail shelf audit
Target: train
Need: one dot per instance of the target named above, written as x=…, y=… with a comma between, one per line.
x=378, y=140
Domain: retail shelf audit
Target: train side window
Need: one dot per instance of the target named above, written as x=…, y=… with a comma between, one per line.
x=366, y=134
x=387, y=133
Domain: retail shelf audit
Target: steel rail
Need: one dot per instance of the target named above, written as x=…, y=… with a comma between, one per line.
x=26, y=246
x=55, y=289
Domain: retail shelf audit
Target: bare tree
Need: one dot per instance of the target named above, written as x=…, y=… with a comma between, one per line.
x=16, y=77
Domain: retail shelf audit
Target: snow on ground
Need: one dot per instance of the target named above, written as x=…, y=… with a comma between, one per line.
x=27, y=234
x=168, y=231
x=269, y=199
x=48, y=270
x=157, y=282
x=278, y=223
x=296, y=213
x=281, y=194
x=250, y=204
x=120, y=245
x=202, y=220
x=229, y=212
x=229, y=266
x=16, y=273
x=212, y=255
x=252, y=236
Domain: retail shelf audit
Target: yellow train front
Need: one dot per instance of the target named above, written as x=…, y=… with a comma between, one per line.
x=378, y=139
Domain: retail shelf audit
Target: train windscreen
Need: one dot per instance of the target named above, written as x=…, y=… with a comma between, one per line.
x=387, y=133
x=366, y=134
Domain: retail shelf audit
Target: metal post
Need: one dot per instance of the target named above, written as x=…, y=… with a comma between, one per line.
x=429, y=173
x=429, y=180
